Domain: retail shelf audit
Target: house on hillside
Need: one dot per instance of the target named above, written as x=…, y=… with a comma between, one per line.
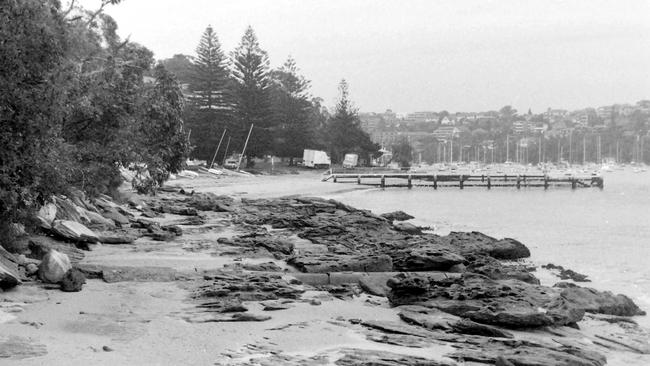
x=446, y=121
x=446, y=132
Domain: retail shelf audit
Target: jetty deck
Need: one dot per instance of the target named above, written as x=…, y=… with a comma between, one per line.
x=489, y=181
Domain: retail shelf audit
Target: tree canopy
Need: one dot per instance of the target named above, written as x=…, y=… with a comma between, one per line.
x=292, y=109
x=210, y=104
x=343, y=130
x=75, y=107
x=252, y=98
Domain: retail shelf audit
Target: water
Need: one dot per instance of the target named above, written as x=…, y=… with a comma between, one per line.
x=604, y=234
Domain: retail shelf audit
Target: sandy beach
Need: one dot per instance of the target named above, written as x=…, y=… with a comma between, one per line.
x=155, y=323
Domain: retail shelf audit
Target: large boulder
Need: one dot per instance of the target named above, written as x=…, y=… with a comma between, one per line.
x=46, y=215
x=474, y=242
x=99, y=221
x=68, y=210
x=396, y=216
x=326, y=263
x=210, y=202
x=73, y=281
x=507, y=303
x=599, y=302
x=436, y=319
x=114, y=214
x=74, y=231
x=272, y=244
x=496, y=270
x=53, y=267
x=424, y=259
x=407, y=228
x=9, y=276
x=39, y=246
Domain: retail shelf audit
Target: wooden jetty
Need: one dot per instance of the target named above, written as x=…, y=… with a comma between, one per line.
x=461, y=181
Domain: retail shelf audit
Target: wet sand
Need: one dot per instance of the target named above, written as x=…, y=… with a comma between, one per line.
x=143, y=323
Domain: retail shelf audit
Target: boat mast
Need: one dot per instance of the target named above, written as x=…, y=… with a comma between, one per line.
x=245, y=145
x=218, y=146
x=225, y=153
x=600, y=159
x=584, y=148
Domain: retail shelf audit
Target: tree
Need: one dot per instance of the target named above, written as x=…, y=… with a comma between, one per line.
x=209, y=79
x=181, y=67
x=295, y=130
x=252, y=95
x=163, y=145
x=34, y=159
x=74, y=107
x=104, y=105
x=344, y=133
x=402, y=152
x=210, y=106
x=507, y=113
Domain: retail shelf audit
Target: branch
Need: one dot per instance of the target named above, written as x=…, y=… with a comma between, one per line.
x=99, y=11
x=69, y=9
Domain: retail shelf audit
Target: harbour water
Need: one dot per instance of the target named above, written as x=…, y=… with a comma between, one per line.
x=604, y=234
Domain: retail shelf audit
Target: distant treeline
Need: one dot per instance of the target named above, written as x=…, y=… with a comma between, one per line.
x=231, y=93
x=527, y=138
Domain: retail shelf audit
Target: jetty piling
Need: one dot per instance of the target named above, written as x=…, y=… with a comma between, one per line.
x=489, y=181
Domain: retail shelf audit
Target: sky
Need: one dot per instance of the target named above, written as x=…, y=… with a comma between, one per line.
x=425, y=55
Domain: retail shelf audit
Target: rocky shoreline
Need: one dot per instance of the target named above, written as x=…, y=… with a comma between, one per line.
x=467, y=293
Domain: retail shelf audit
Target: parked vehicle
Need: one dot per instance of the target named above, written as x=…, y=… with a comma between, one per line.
x=316, y=159
x=351, y=160
x=231, y=162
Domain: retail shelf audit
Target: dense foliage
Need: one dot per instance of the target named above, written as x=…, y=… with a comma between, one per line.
x=402, y=152
x=209, y=110
x=292, y=111
x=75, y=107
x=252, y=91
x=231, y=95
x=344, y=131
x=35, y=161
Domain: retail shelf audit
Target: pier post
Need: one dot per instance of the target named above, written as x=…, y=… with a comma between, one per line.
x=359, y=179
x=482, y=178
x=383, y=181
x=489, y=182
x=518, y=182
x=435, y=181
x=573, y=183
x=460, y=180
x=334, y=180
x=545, y=181
x=409, y=185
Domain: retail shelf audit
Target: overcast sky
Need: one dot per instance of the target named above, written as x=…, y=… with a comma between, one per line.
x=413, y=55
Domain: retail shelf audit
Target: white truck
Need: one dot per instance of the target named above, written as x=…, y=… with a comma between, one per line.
x=316, y=159
x=351, y=160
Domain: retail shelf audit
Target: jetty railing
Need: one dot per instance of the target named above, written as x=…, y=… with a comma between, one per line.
x=461, y=181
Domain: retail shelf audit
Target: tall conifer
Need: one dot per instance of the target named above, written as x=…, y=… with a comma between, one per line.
x=292, y=109
x=252, y=94
x=210, y=103
x=210, y=74
x=344, y=131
